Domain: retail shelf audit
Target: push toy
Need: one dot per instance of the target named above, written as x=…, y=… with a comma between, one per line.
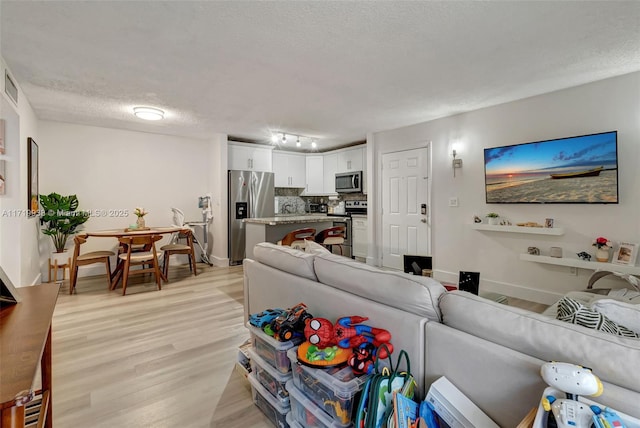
x=573, y=380
x=264, y=318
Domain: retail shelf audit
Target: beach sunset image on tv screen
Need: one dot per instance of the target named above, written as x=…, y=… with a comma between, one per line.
x=578, y=170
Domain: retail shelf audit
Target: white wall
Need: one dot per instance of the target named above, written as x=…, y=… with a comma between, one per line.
x=114, y=171
x=19, y=252
x=612, y=104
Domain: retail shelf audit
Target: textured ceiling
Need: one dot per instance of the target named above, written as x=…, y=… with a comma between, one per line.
x=330, y=70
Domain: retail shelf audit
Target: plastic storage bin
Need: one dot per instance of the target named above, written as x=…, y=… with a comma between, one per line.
x=270, y=378
x=307, y=414
x=267, y=403
x=292, y=421
x=333, y=390
x=271, y=350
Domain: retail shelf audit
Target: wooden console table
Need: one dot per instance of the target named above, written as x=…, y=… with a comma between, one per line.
x=25, y=342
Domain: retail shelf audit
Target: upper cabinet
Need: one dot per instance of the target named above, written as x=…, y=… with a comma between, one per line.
x=351, y=160
x=315, y=175
x=290, y=169
x=330, y=168
x=250, y=157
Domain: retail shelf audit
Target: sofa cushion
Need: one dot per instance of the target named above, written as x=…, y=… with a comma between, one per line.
x=285, y=258
x=572, y=311
x=416, y=294
x=613, y=358
x=623, y=313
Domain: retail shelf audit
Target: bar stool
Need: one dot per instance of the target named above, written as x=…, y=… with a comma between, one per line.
x=298, y=238
x=332, y=236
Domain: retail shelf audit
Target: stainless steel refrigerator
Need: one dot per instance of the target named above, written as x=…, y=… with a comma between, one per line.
x=251, y=195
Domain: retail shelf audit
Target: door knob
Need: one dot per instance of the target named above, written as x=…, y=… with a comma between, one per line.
x=424, y=220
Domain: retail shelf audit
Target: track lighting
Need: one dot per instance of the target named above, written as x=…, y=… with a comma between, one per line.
x=301, y=140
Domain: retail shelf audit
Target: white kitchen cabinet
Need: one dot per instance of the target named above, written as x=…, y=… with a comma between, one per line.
x=249, y=157
x=289, y=169
x=359, y=235
x=351, y=160
x=315, y=175
x=330, y=168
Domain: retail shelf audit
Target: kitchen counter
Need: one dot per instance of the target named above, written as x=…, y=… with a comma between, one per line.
x=273, y=229
x=292, y=219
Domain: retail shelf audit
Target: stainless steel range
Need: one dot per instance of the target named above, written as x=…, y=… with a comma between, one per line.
x=350, y=207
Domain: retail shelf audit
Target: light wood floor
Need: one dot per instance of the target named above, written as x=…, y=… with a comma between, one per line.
x=158, y=359
x=152, y=358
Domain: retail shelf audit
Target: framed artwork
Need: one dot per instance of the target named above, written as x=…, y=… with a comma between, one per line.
x=3, y=178
x=1, y=136
x=548, y=223
x=32, y=180
x=626, y=254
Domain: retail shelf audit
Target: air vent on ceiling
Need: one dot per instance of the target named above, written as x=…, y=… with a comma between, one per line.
x=10, y=88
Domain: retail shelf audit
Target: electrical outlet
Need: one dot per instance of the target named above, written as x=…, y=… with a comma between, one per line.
x=453, y=201
x=573, y=271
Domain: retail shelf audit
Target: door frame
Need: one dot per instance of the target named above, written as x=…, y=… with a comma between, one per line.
x=427, y=171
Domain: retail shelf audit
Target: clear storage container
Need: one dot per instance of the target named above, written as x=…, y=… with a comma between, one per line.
x=306, y=414
x=276, y=412
x=270, y=378
x=333, y=390
x=271, y=350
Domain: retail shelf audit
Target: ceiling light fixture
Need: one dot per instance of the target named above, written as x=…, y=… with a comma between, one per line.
x=274, y=138
x=284, y=138
x=298, y=142
x=313, y=144
x=148, y=113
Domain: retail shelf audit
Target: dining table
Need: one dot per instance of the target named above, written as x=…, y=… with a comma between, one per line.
x=129, y=232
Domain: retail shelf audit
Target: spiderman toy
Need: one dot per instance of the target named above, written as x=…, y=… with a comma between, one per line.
x=348, y=333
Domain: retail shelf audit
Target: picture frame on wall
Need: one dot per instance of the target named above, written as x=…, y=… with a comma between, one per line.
x=626, y=254
x=2, y=137
x=32, y=179
x=3, y=178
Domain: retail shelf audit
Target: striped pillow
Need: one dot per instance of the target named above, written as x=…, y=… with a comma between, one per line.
x=572, y=311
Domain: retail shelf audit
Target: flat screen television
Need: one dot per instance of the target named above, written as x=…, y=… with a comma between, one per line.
x=574, y=170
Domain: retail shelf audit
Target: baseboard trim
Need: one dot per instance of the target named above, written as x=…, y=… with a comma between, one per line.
x=514, y=290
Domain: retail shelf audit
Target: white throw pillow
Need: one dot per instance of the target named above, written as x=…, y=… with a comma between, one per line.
x=315, y=248
x=623, y=313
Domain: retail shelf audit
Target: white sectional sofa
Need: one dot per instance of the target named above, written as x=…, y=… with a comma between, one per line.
x=492, y=352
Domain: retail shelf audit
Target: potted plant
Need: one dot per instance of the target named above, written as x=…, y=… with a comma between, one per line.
x=61, y=218
x=493, y=218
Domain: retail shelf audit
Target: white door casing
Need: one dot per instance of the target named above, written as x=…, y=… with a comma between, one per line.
x=406, y=228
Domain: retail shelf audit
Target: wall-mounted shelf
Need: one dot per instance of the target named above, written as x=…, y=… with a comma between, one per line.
x=583, y=264
x=557, y=231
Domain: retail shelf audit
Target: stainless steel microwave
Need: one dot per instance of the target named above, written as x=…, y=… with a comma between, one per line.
x=349, y=182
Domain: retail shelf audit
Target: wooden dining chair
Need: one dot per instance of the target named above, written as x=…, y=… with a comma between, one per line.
x=178, y=248
x=332, y=236
x=148, y=260
x=87, y=259
x=297, y=238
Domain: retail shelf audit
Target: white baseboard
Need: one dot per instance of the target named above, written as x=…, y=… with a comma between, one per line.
x=513, y=290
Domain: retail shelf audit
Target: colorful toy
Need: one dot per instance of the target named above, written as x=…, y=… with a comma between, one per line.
x=264, y=318
x=290, y=323
x=573, y=380
x=606, y=418
x=347, y=333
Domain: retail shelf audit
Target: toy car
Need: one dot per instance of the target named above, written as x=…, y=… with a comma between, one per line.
x=264, y=318
x=291, y=322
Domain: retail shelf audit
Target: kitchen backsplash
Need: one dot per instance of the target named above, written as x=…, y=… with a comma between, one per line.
x=288, y=200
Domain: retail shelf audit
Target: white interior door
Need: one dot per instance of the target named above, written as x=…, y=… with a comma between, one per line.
x=405, y=206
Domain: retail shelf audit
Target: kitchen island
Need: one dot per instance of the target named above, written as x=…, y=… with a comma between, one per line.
x=273, y=229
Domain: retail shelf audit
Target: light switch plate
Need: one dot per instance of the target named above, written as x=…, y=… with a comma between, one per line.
x=453, y=201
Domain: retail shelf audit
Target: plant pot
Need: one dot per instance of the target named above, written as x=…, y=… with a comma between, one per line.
x=494, y=221
x=602, y=255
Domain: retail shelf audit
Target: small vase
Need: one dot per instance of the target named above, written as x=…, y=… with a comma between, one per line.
x=602, y=255
x=140, y=223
